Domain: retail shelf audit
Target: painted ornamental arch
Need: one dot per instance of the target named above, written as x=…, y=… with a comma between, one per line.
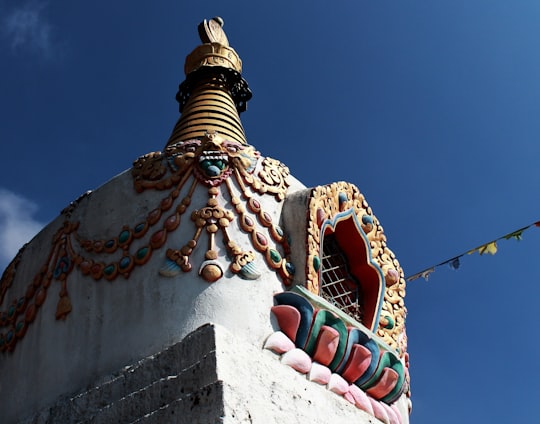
x=342, y=324
x=349, y=278
x=341, y=212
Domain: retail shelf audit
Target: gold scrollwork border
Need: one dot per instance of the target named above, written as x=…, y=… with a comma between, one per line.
x=324, y=203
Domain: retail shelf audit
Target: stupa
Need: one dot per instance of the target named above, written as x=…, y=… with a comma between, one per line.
x=206, y=284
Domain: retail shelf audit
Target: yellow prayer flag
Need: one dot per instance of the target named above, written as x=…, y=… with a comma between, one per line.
x=490, y=248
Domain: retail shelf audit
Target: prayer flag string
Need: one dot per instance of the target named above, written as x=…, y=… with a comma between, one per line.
x=489, y=248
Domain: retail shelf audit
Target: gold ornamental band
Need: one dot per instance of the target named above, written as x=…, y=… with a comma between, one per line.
x=213, y=54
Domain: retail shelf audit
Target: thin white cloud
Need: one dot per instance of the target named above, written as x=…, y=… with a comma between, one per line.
x=17, y=225
x=27, y=28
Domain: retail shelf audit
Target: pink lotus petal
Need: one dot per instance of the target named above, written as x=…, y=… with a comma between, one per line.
x=361, y=400
x=297, y=359
x=338, y=384
x=349, y=397
x=319, y=373
x=279, y=343
x=378, y=411
x=394, y=418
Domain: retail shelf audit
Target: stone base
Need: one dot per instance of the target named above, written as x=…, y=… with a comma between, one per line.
x=211, y=376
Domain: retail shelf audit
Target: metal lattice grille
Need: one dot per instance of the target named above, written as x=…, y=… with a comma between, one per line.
x=338, y=286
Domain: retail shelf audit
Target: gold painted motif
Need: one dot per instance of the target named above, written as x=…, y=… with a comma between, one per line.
x=227, y=169
x=212, y=161
x=22, y=310
x=327, y=201
x=215, y=51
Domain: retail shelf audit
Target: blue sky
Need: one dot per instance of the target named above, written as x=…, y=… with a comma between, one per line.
x=429, y=107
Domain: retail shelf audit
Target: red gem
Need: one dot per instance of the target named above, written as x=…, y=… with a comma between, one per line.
x=261, y=239
x=158, y=239
x=96, y=269
x=171, y=223
x=85, y=267
x=154, y=216
x=255, y=205
x=267, y=217
x=320, y=216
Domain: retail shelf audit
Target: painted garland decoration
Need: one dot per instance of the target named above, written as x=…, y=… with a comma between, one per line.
x=216, y=163
x=327, y=201
x=227, y=169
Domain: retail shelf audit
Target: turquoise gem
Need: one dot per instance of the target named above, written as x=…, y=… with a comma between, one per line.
x=275, y=256
x=316, y=263
x=142, y=252
x=390, y=323
x=124, y=236
x=109, y=269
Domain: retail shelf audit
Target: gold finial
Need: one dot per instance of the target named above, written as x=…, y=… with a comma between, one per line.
x=214, y=92
x=215, y=50
x=212, y=31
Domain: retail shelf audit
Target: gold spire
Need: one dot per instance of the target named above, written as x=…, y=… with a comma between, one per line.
x=214, y=92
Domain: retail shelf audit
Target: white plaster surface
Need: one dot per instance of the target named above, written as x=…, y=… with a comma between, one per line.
x=116, y=323
x=261, y=390
x=211, y=376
